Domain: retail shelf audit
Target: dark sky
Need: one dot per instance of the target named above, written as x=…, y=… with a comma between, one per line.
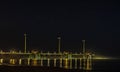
x=95, y=21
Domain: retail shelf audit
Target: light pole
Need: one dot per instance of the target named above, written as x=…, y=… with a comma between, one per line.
x=25, y=35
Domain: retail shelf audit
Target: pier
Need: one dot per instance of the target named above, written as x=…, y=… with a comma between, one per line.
x=63, y=58
x=60, y=59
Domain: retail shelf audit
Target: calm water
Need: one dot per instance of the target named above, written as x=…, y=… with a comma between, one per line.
x=106, y=65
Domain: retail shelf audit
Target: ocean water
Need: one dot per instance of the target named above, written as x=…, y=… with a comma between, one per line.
x=108, y=65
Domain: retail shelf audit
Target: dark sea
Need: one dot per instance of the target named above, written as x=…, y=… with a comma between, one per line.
x=112, y=65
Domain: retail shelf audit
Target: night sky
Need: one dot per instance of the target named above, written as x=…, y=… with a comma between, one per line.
x=95, y=21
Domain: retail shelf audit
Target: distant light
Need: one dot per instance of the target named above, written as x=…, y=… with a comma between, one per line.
x=101, y=58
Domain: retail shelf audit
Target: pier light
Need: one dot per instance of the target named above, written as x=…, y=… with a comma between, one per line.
x=34, y=51
x=13, y=50
x=65, y=52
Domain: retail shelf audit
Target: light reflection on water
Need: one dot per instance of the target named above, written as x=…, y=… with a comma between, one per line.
x=63, y=63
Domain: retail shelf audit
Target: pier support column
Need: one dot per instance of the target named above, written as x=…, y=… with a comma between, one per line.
x=1, y=61
x=71, y=63
x=60, y=62
x=84, y=62
x=28, y=61
x=80, y=63
x=75, y=63
x=48, y=62
x=54, y=62
x=89, y=67
x=90, y=62
x=41, y=62
x=66, y=63
x=12, y=61
x=35, y=62
x=20, y=61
